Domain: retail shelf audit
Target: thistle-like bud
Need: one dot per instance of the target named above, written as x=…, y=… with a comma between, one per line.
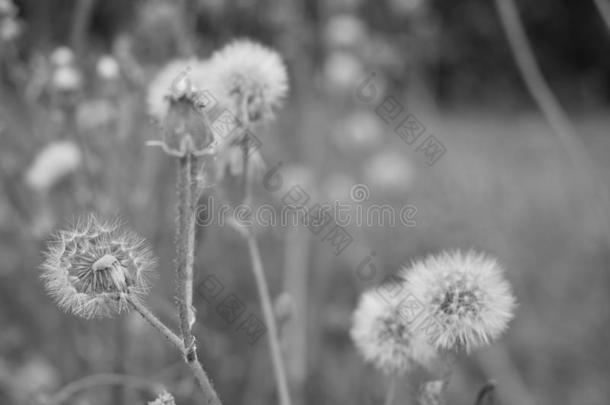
x=95, y=267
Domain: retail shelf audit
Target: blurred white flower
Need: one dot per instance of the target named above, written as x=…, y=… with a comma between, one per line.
x=52, y=163
x=404, y=7
x=62, y=56
x=390, y=171
x=94, y=114
x=249, y=79
x=343, y=72
x=360, y=131
x=108, y=68
x=9, y=29
x=345, y=30
x=66, y=78
x=382, y=335
x=7, y=8
x=466, y=293
x=164, y=398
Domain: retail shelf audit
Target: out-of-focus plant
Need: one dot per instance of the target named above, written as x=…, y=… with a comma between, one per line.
x=434, y=309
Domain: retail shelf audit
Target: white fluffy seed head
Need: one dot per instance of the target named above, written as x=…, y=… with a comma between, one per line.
x=466, y=294
x=384, y=337
x=249, y=79
x=95, y=266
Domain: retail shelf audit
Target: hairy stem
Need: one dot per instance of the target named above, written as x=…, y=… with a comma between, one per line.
x=185, y=249
x=157, y=324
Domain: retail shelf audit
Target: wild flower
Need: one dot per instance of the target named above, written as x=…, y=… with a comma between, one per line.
x=62, y=56
x=107, y=68
x=164, y=398
x=54, y=162
x=383, y=336
x=249, y=79
x=95, y=267
x=66, y=78
x=466, y=293
x=389, y=171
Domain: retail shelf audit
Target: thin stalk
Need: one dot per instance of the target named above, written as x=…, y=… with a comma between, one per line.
x=550, y=107
x=603, y=6
x=392, y=388
x=272, y=330
x=97, y=380
x=157, y=324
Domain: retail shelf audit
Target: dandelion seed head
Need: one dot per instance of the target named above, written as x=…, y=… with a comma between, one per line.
x=249, y=79
x=92, y=268
x=384, y=338
x=466, y=293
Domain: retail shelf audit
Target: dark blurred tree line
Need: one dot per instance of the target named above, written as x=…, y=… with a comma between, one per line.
x=466, y=58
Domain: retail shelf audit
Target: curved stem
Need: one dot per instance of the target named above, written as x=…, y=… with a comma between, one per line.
x=603, y=6
x=550, y=107
x=97, y=380
x=157, y=324
x=272, y=332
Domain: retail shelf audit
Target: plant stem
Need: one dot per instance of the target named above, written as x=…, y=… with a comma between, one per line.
x=272, y=330
x=157, y=324
x=92, y=381
x=391, y=395
x=185, y=249
x=604, y=9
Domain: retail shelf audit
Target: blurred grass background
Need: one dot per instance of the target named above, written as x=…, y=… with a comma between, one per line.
x=504, y=186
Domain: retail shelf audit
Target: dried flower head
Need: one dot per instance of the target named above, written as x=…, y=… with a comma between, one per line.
x=175, y=98
x=53, y=163
x=466, y=294
x=249, y=79
x=173, y=81
x=95, y=267
x=383, y=336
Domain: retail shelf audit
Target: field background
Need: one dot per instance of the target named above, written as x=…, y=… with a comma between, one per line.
x=505, y=186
